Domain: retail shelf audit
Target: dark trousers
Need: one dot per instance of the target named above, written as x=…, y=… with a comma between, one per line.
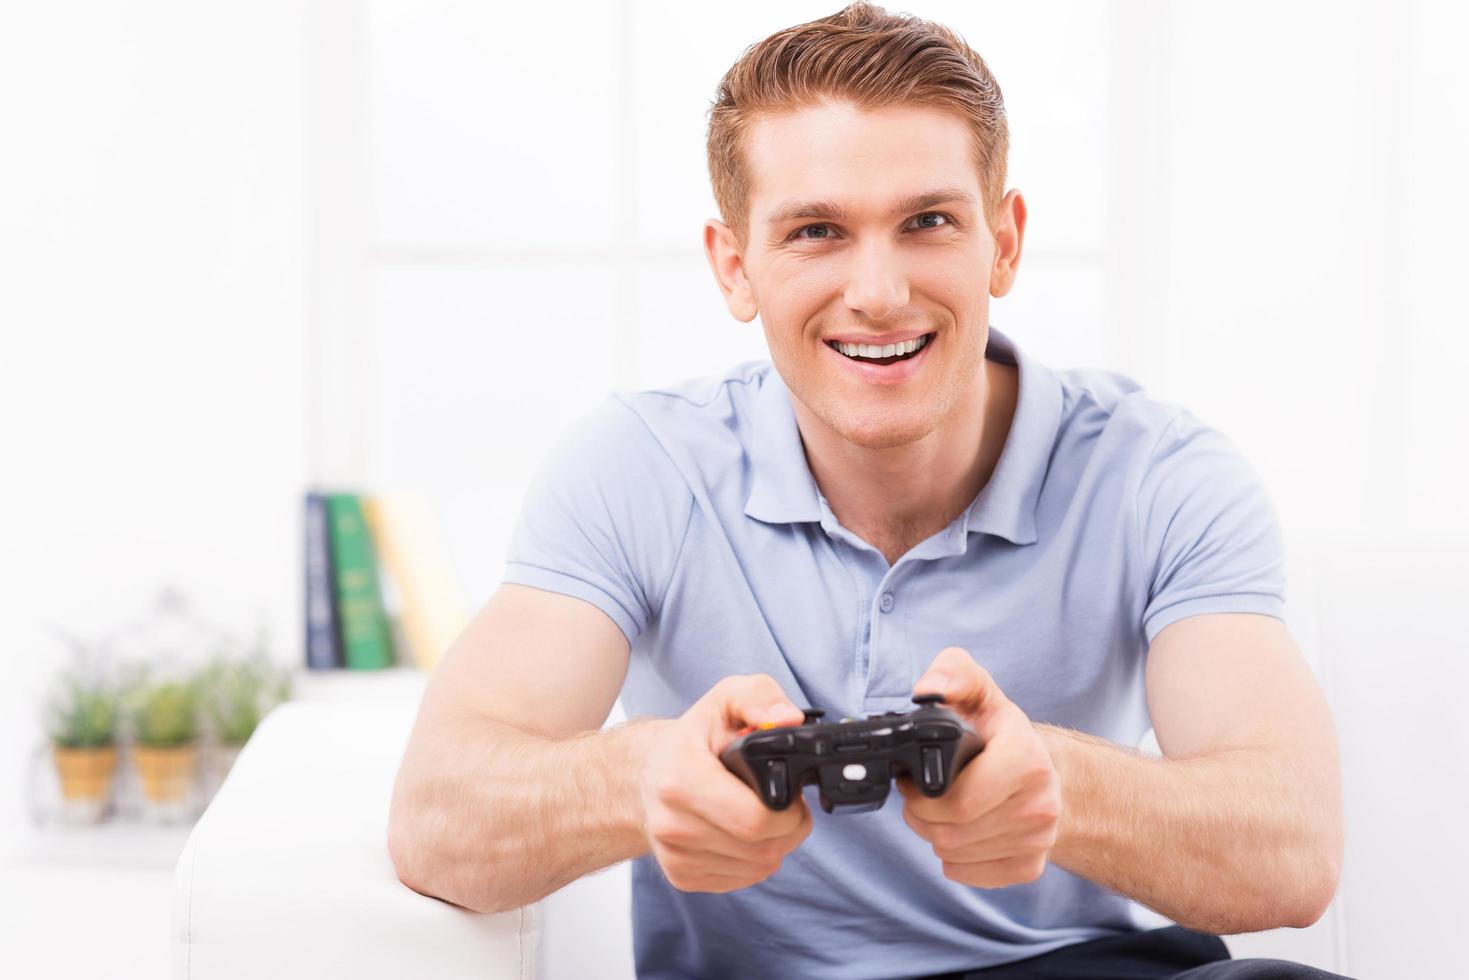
x=1174, y=953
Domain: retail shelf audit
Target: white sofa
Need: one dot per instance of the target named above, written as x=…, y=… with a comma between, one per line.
x=287, y=874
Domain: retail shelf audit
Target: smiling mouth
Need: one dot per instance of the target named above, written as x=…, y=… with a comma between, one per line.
x=890, y=354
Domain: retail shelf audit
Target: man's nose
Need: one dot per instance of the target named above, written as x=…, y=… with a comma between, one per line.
x=876, y=284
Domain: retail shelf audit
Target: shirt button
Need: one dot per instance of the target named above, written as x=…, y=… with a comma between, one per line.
x=886, y=603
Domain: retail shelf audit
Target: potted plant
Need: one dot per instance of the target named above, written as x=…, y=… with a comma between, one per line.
x=82, y=725
x=238, y=691
x=165, y=723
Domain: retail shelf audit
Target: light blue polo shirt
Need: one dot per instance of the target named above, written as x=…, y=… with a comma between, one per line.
x=690, y=517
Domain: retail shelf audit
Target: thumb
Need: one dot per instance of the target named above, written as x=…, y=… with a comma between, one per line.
x=966, y=686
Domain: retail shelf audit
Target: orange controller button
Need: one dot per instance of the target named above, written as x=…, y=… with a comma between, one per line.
x=763, y=726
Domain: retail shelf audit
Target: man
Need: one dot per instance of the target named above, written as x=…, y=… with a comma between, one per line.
x=901, y=503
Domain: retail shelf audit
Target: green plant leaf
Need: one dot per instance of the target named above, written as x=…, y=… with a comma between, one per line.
x=83, y=710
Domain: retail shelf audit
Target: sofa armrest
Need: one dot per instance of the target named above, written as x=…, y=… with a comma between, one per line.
x=287, y=873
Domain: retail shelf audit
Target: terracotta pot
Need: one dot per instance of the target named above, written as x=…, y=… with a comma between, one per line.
x=165, y=773
x=86, y=774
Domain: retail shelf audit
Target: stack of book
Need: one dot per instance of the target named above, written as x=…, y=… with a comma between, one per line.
x=378, y=588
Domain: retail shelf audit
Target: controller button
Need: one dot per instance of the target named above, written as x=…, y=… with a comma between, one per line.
x=813, y=715
x=777, y=788
x=942, y=733
x=811, y=744
x=771, y=744
x=933, y=767
x=928, y=699
x=854, y=771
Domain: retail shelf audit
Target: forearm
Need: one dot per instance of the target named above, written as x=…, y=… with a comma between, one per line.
x=1227, y=842
x=491, y=818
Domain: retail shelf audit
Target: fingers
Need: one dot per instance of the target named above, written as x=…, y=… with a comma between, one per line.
x=743, y=867
x=697, y=855
x=1013, y=760
x=751, y=699
x=708, y=830
x=718, y=797
x=722, y=799
x=998, y=821
x=1020, y=823
x=966, y=686
x=1000, y=873
x=693, y=837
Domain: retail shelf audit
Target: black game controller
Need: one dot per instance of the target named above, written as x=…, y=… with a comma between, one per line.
x=854, y=760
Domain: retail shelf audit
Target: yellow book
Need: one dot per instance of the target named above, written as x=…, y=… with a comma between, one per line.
x=431, y=607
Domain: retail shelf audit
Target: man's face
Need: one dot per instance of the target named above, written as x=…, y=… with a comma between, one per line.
x=886, y=267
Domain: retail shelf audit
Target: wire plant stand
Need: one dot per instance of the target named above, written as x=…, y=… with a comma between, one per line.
x=173, y=641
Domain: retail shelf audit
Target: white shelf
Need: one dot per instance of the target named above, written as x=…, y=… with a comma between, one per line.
x=113, y=844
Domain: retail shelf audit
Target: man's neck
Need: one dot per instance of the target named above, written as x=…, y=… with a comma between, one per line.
x=895, y=498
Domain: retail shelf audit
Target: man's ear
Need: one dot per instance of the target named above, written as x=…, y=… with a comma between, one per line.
x=1009, y=236
x=729, y=270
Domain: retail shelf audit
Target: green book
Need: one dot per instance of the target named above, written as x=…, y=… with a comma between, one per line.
x=366, y=638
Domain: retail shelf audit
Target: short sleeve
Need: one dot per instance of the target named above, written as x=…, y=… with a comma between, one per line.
x=1207, y=530
x=604, y=518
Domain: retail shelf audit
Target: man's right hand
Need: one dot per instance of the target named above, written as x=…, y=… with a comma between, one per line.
x=706, y=828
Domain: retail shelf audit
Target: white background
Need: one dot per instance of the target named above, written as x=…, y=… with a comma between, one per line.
x=247, y=247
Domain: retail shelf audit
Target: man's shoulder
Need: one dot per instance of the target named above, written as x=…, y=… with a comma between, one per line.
x=1112, y=413
x=633, y=418
x=692, y=412
x=701, y=394
x=1114, y=430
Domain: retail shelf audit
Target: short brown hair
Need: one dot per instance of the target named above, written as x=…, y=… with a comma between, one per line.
x=864, y=55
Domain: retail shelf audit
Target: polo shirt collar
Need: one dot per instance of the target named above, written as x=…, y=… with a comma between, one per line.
x=1007, y=504
x=783, y=490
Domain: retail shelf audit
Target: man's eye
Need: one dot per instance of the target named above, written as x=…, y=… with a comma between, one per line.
x=935, y=214
x=797, y=234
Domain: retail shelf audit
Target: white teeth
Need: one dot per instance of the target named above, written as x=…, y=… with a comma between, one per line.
x=886, y=350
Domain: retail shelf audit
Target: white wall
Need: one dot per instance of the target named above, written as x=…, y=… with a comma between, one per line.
x=1315, y=204
x=152, y=306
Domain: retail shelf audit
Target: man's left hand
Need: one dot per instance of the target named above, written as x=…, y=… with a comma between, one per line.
x=998, y=820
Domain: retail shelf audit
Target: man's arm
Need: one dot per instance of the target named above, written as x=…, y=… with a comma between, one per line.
x=507, y=790
x=1238, y=827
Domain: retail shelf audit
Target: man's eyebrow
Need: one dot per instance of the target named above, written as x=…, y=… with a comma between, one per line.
x=791, y=210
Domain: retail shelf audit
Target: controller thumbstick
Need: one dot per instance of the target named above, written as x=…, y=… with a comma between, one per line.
x=927, y=699
x=813, y=715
